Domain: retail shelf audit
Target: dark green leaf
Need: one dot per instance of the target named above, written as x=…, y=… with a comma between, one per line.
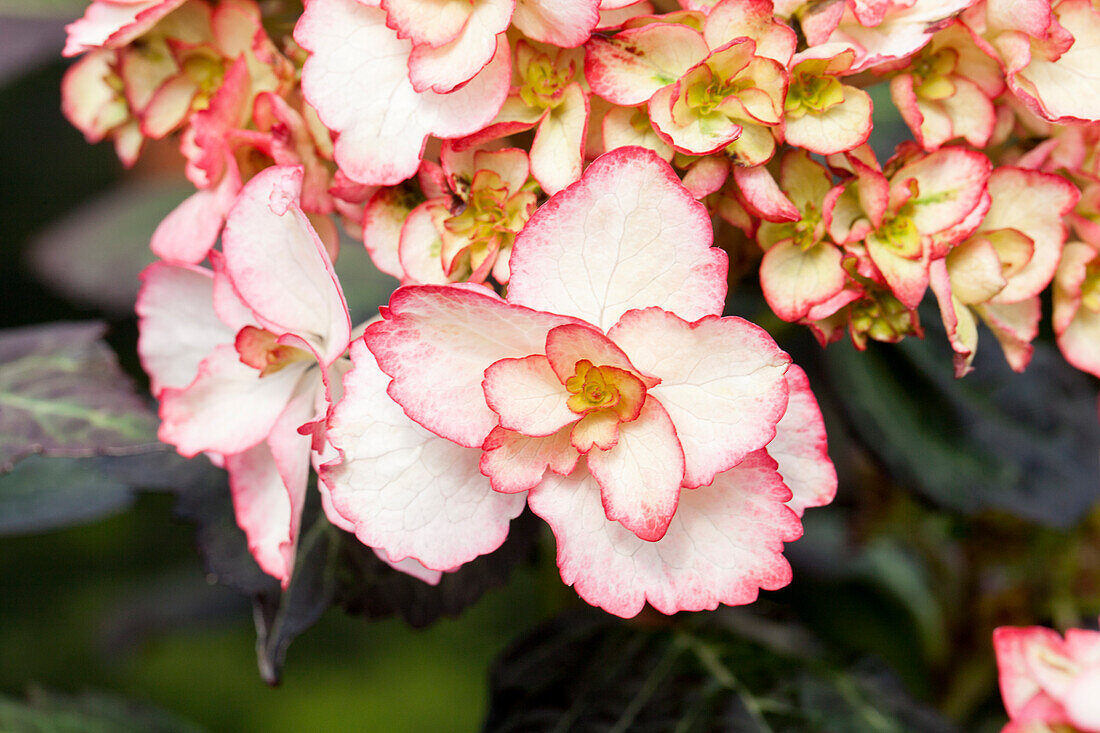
x=1025, y=443
x=47, y=493
x=369, y=587
x=62, y=394
x=90, y=712
x=586, y=672
x=44, y=493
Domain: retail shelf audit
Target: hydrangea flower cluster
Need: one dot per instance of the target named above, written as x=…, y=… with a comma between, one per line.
x=543, y=177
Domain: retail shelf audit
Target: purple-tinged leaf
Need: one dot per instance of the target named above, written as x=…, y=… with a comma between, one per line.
x=62, y=394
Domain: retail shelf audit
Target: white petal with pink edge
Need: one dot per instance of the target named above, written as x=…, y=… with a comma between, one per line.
x=640, y=476
x=280, y=267
x=1063, y=90
x=800, y=447
x=410, y=566
x=528, y=396
x=268, y=483
x=721, y=382
x=433, y=22
x=842, y=127
x=405, y=489
x=1033, y=203
x=114, y=24
x=192, y=228
x=723, y=545
x=515, y=462
x=177, y=324
x=629, y=67
x=627, y=235
x=382, y=122
x=444, y=68
x=951, y=182
x=436, y=343
x=794, y=280
x=228, y=408
x=557, y=154
x=419, y=248
x=262, y=508
x=567, y=345
x=563, y=23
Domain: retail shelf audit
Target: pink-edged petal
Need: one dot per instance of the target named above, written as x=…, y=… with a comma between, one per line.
x=445, y=68
x=972, y=115
x=721, y=382
x=801, y=449
x=627, y=235
x=695, y=135
x=640, y=477
x=88, y=101
x=420, y=247
x=612, y=18
x=567, y=345
x=177, y=324
x=383, y=218
x=629, y=67
x=557, y=154
x=1032, y=203
x=762, y=195
x=169, y=107
x=437, y=342
x=409, y=566
x=1015, y=325
x=951, y=183
x=976, y=272
x=110, y=24
x=280, y=267
x=842, y=127
x=795, y=280
x=515, y=462
x=431, y=22
x=596, y=430
x=528, y=396
x=562, y=23
x=1016, y=648
x=229, y=408
x=625, y=126
x=188, y=233
x=406, y=490
x=268, y=482
x=907, y=278
x=227, y=303
x=958, y=319
x=262, y=507
x=1063, y=90
x=706, y=176
x=382, y=121
x=751, y=19
x=723, y=545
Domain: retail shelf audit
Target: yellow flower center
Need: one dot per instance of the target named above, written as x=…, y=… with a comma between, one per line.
x=593, y=388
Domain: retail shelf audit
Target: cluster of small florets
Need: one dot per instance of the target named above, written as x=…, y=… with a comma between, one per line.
x=542, y=177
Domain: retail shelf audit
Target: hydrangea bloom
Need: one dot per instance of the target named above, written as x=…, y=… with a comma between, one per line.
x=607, y=387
